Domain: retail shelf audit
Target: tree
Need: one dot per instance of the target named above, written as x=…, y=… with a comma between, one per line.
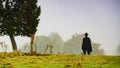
x=4, y=46
x=18, y=17
x=118, y=50
x=7, y=20
x=74, y=44
x=57, y=42
x=97, y=49
x=41, y=43
x=31, y=19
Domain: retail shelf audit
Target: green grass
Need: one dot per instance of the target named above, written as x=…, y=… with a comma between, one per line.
x=60, y=61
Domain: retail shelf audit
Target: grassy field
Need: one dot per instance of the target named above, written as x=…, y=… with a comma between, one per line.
x=59, y=61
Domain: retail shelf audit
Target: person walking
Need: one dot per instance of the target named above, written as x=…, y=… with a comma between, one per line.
x=86, y=44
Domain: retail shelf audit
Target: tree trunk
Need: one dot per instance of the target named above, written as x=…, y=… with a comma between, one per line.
x=36, y=45
x=31, y=46
x=31, y=43
x=14, y=46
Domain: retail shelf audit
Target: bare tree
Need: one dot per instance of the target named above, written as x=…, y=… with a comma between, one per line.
x=49, y=46
x=4, y=46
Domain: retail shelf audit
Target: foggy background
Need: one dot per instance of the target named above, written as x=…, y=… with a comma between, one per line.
x=100, y=18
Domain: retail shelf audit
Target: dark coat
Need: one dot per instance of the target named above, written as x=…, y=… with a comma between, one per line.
x=86, y=45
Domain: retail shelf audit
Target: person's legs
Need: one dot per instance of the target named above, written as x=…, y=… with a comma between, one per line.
x=88, y=52
x=84, y=52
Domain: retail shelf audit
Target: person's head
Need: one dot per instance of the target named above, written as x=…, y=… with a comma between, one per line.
x=86, y=34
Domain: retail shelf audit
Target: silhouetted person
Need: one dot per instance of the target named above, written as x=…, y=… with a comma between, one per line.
x=86, y=44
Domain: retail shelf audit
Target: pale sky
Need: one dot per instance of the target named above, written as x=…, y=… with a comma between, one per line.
x=100, y=18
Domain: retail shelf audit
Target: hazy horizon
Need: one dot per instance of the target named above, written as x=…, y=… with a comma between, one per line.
x=100, y=18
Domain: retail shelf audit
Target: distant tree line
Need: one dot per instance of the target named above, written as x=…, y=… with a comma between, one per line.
x=71, y=46
x=118, y=50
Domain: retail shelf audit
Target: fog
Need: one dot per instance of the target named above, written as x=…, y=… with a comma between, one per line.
x=100, y=18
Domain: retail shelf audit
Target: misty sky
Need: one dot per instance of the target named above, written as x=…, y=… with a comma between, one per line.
x=100, y=18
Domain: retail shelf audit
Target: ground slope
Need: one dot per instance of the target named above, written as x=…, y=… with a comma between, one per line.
x=60, y=61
